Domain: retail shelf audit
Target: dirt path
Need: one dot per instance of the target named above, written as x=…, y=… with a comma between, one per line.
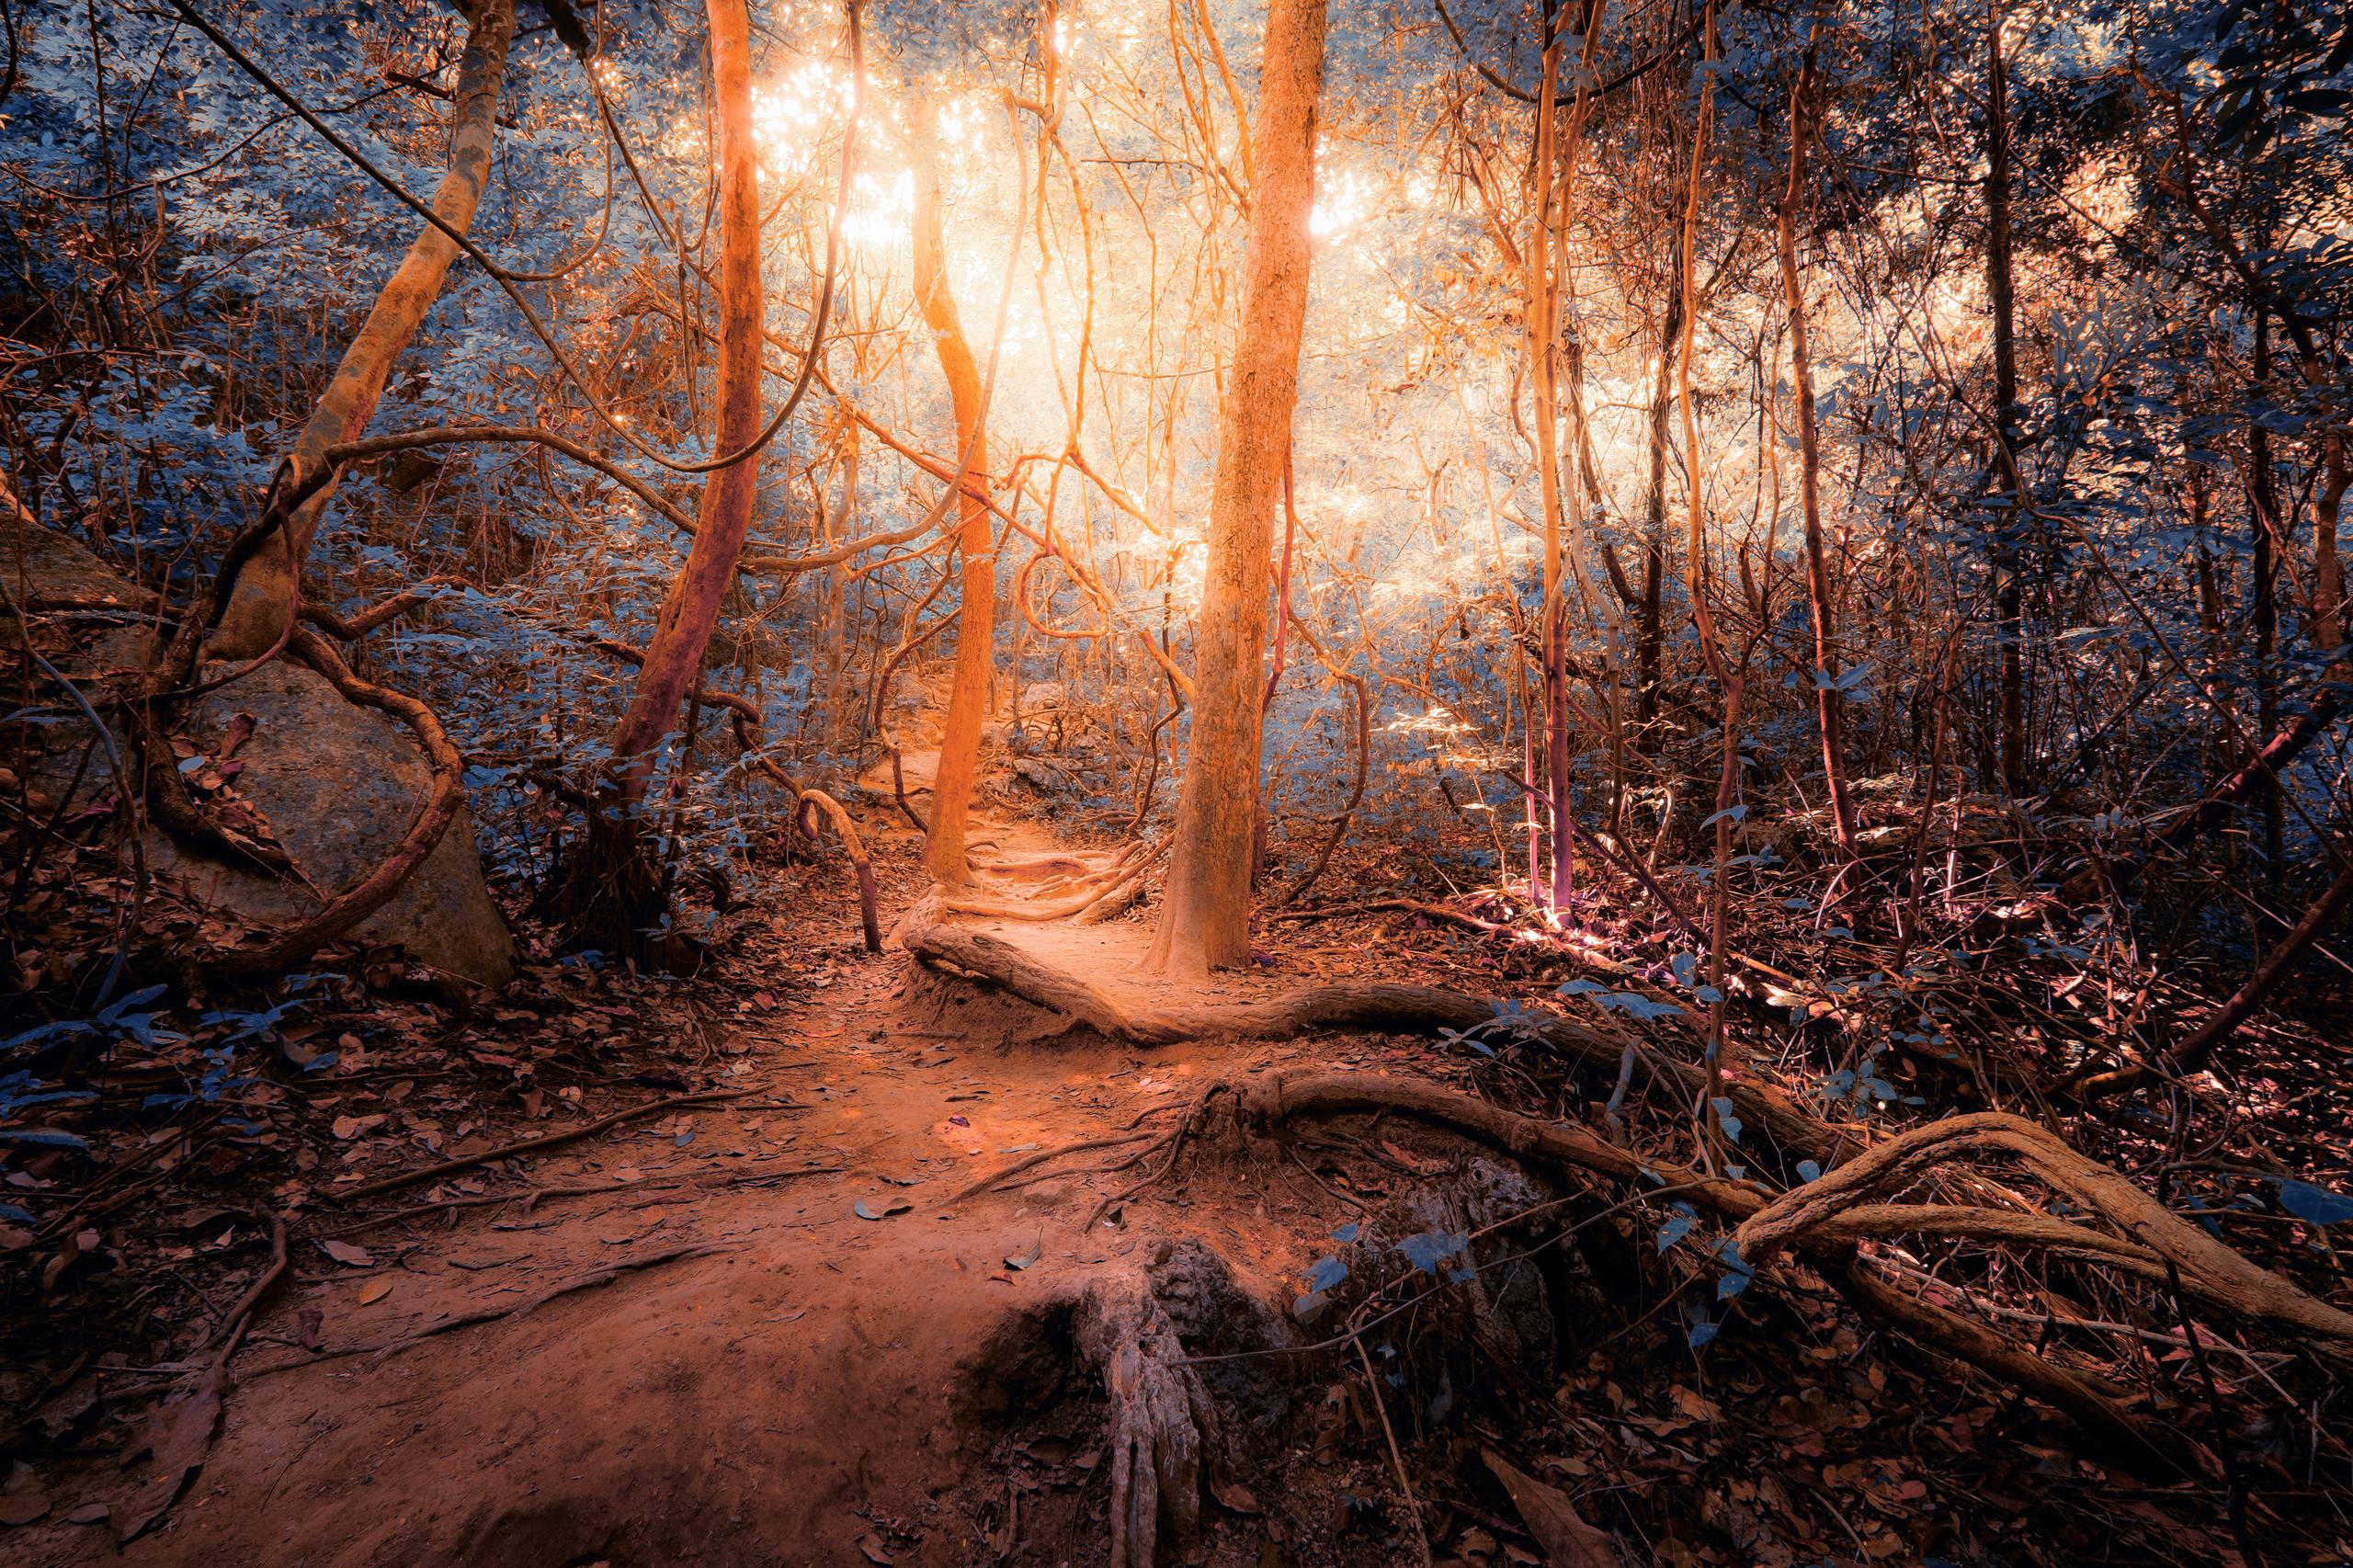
x=801, y=1392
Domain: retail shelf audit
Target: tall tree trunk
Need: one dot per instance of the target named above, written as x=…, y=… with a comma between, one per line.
x=262, y=604
x=2003, y=545
x=968, y=693
x=1827, y=697
x=2263, y=510
x=1205, y=919
x=1651, y=638
x=674, y=653
x=609, y=891
x=1542, y=312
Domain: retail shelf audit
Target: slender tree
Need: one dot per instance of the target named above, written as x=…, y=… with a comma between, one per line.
x=1827, y=696
x=968, y=693
x=611, y=893
x=1205, y=919
x=2002, y=296
x=261, y=607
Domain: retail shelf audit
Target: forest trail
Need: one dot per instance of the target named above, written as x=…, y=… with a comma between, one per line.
x=783, y=1379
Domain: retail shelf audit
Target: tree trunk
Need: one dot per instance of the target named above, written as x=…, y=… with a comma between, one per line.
x=2263, y=509
x=1205, y=920
x=674, y=654
x=1827, y=697
x=1542, y=309
x=2003, y=548
x=968, y=693
x=262, y=604
x=609, y=891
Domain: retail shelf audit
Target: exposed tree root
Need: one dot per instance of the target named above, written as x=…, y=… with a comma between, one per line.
x=343, y=912
x=2210, y=1270
x=869, y=917
x=925, y=932
x=589, y=1281
x=1162, y=1422
x=2093, y=1405
x=1824, y=1221
x=1070, y=886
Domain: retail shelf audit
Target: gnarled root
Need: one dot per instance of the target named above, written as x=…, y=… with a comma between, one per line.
x=869, y=915
x=1161, y=1419
x=1841, y=1202
x=926, y=932
x=2093, y=1405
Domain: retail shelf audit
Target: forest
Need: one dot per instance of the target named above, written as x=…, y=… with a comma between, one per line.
x=1446, y=783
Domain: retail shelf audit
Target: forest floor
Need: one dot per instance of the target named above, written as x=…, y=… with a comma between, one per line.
x=774, y=1327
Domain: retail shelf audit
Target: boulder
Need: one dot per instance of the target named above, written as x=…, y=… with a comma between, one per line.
x=337, y=785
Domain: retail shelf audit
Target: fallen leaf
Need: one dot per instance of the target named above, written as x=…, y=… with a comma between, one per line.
x=1235, y=1498
x=349, y=1127
x=874, y=1549
x=898, y=1206
x=345, y=1253
x=89, y=1513
x=1037, y=1250
x=1552, y=1519
x=179, y=1435
x=375, y=1290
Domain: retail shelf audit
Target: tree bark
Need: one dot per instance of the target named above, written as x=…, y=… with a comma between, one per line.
x=1205, y=919
x=1827, y=697
x=2003, y=548
x=968, y=692
x=674, y=653
x=262, y=604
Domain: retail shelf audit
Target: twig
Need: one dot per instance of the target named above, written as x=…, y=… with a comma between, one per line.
x=1396, y=1457
x=233, y=1327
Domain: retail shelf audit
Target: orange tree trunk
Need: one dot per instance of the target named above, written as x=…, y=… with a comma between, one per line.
x=968, y=695
x=674, y=654
x=1205, y=920
x=261, y=605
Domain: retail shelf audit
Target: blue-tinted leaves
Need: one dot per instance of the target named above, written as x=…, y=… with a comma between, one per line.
x=1809, y=1171
x=1737, y=1272
x=1346, y=1232
x=1324, y=1273
x=43, y=1138
x=1633, y=1003
x=1729, y=1124
x=1678, y=1227
x=2314, y=1205
x=1701, y=1331
x=1430, y=1249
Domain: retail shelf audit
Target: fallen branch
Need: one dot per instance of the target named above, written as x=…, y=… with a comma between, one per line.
x=2191, y=1053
